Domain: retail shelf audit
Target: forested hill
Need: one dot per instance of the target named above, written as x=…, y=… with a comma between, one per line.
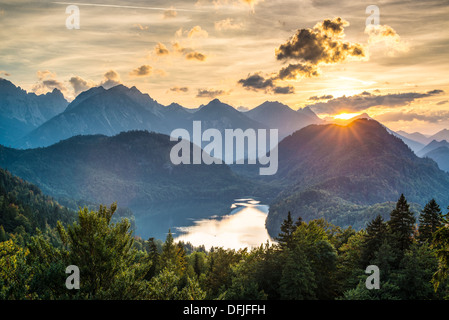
x=130, y=168
x=336, y=171
x=23, y=207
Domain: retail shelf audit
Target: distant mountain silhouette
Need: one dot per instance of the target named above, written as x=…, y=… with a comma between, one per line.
x=21, y=112
x=121, y=109
x=276, y=115
x=434, y=144
x=441, y=156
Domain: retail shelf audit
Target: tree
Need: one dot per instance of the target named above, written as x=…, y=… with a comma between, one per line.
x=430, y=219
x=375, y=235
x=401, y=225
x=172, y=256
x=103, y=251
x=285, y=237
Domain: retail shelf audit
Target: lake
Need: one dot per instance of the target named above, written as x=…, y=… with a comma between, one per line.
x=230, y=224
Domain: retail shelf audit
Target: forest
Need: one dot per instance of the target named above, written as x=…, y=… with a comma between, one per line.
x=313, y=260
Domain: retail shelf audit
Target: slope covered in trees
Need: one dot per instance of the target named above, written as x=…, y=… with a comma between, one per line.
x=132, y=168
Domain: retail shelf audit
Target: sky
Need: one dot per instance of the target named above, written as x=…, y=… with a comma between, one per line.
x=333, y=56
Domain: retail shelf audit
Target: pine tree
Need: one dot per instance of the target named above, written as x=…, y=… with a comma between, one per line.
x=401, y=225
x=285, y=237
x=376, y=233
x=153, y=255
x=430, y=219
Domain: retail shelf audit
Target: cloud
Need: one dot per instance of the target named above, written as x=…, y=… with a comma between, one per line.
x=324, y=97
x=189, y=53
x=142, y=71
x=323, y=44
x=160, y=49
x=179, y=89
x=243, y=109
x=442, y=102
x=110, y=79
x=6, y=74
x=195, y=56
x=387, y=36
x=197, y=32
x=227, y=24
x=79, y=84
x=258, y=82
x=47, y=82
x=367, y=100
x=210, y=93
x=433, y=117
x=171, y=13
x=295, y=71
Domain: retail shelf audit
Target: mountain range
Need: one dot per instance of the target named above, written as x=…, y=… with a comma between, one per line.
x=120, y=109
x=21, y=112
x=114, y=145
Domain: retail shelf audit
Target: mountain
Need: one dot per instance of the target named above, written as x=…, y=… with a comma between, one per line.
x=415, y=136
x=221, y=116
x=99, y=111
x=345, y=173
x=120, y=109
x=21, y=112
x=414, y=145
x=276, y=115
x=280, y=116
x=434, y=144
x=133, y=168
x=441, y=156
x=440, y=135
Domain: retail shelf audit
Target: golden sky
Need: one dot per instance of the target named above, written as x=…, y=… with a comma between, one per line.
x=315, y=53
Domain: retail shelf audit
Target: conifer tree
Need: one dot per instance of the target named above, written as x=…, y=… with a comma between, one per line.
x=430, y=219
x=285, y=237
x=401, y=225
x=376, y=233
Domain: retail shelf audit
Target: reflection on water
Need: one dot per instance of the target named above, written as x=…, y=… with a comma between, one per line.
x=243, y=227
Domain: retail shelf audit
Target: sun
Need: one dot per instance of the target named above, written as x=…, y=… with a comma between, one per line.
x=345, y=116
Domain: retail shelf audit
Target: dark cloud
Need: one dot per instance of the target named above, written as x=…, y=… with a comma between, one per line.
x=110, y=79
x=321, y=44
x=284, y=90
x=210, y=93
x=179, y=89
x=442, y=102
x=325, y=97
x=258, y=82
x=79, y=84
x=367, y=100
x=195, y=56
x=141, y=71
x=294, y=71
